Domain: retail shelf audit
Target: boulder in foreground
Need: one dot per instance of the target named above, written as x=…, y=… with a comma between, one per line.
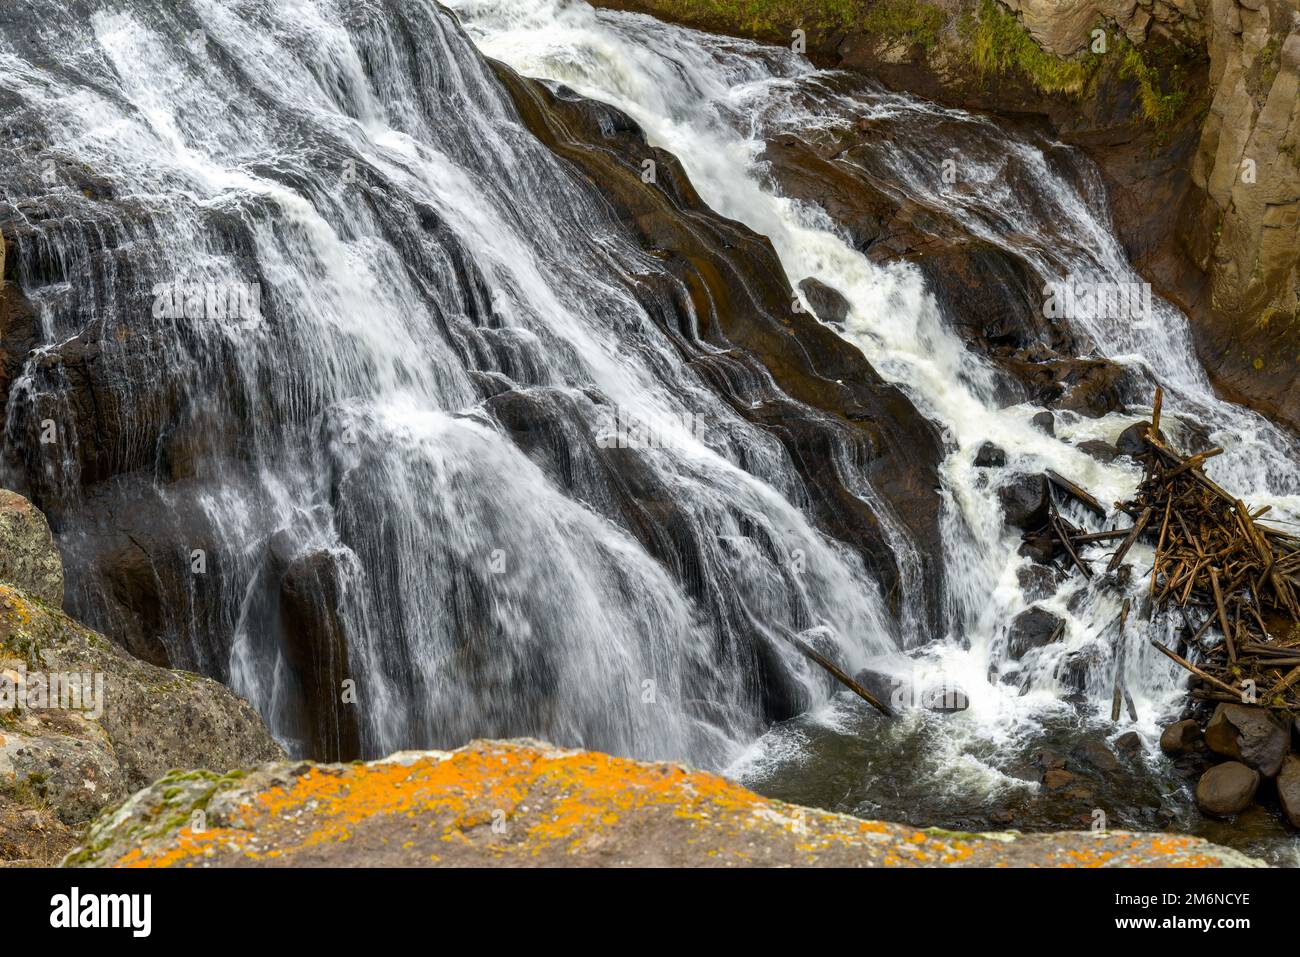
x=525, y=803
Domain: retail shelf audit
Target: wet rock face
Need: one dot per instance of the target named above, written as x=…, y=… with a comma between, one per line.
x=1033, y=628
x=735, y=278
x=559, y=808
x=1025, y=502
x=1227, y=788
x=29, y=559
x=829, y=305
x=1249, y=735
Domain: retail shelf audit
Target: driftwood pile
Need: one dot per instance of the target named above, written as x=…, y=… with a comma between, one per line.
x=1232, y=580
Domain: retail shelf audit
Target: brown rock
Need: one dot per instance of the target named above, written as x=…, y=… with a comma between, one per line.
x=1249, y=735
x=1180, y=737
x=1288, y=789
x=1227, y=789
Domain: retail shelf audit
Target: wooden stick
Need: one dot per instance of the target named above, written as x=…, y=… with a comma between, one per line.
x=1132, y=537
x=841, y=676
x=1223, y=615
x=1075, y=492
x=1235, y=692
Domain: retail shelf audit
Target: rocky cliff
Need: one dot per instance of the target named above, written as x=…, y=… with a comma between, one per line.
x=525, y=803
x=1190, y=108
x=82, y=723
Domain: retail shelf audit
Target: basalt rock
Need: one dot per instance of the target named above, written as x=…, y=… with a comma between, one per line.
x=990, y=456
x=828, y=304
x=1025, y=501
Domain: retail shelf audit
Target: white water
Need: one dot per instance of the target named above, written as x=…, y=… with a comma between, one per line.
x=713, y=102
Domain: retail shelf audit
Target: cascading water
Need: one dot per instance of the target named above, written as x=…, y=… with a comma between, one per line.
x=423, y=263
x=434, y=284
x=715, y=102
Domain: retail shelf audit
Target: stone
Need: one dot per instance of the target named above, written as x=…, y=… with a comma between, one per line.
x=1045, y=422
x=1129, y=743
x=130, y=723
x=1132, y=441
x=560, y=808
x=990, y=456
x=828, y=304
x=1103, y=452
x=1025, y=501
x=1288, y=789
x=29, y=559
x=1033, y=628
x=1180, y=737
x=1249, y=735
x=1227, y=789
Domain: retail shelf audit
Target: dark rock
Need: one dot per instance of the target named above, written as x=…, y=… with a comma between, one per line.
x=1056, y=778
x=1226, y=789
x=1249, y=735
x=990, y=456
x=1095, y=752
x=1132, y=441
x=1033, y=628
x=1180, y=737
x=1046, y=422
x=1101, y=451
x=1129, y=743
x=1038, y=581
x=1025, y=501
x=828, y=304
x=1288, y=789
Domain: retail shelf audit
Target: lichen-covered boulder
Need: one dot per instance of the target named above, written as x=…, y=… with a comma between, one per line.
x=29, y=558
x=526, y=803
x=83, y=724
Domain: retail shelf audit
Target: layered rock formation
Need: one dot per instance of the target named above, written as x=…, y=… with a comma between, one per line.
x=525, y=803
x=1190, y=108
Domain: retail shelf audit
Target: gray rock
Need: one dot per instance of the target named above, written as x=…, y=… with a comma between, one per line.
x=1045, y=421
x=1249, y=735
x=1099, y=450
x=1227, y=789
x=990, y=456
x=29, y=558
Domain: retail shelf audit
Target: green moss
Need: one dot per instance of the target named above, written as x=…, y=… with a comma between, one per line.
x=1001, y=45
x=907, y=20
x=1162, y=87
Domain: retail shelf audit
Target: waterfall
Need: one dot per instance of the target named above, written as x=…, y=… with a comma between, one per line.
x=322, y=280
x=715, y=102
